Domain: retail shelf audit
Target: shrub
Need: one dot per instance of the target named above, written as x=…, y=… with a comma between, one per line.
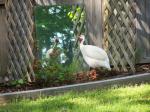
x=51, y=72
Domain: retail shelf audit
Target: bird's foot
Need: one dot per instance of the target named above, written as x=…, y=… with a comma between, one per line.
x=92, y=74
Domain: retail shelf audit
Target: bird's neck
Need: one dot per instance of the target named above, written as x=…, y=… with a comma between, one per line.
x=82, y=42
x=54, y=45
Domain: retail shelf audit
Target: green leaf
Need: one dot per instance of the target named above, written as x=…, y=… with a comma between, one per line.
x=20, y=81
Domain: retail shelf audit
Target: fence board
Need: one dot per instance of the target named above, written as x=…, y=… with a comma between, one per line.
x=110, y=24
x=3, y=44
x=143, y=31
x=1, y=2
x=148, y=28
x=94, y=21
x=54, y=2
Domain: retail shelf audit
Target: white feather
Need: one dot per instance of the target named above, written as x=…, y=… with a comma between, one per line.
x=48, y=53
x=94, y=56
x=51, y=50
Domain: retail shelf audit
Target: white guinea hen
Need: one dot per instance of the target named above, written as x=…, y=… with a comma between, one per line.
x=50, y=51
x=94, y=56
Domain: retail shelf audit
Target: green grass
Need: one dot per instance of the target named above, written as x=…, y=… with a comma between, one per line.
x=123, y=99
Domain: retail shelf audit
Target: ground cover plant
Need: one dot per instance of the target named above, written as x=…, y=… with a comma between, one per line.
x=116, y=99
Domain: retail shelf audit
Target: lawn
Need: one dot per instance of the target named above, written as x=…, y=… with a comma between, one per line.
x=123, y=99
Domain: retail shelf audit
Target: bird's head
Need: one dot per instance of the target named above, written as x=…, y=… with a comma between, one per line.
x=56, y=40
x=81, y=38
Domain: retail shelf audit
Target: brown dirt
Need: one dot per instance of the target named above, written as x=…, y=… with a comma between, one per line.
x=81, y=77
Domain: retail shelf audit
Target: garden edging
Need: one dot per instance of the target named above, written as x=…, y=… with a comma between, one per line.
x=134, y=79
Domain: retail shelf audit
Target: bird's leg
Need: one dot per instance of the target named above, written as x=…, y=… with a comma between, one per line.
x=92, y=70
x=92, y=74
x=95, y=71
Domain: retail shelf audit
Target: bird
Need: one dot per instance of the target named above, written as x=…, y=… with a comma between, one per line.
x=51, y=51
x=94, y=56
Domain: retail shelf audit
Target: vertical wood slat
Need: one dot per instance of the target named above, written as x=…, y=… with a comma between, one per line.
x=58, y=2
x=3, y=43
x=2, y=2
x=94, y=21
x=148, y=28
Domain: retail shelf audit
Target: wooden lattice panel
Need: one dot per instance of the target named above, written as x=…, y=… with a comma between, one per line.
x=119, y=33
x=20, y=27
x=79, y=22
x=78, y=29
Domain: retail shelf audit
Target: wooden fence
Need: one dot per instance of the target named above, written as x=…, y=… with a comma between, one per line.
x=127, y=32
x=118, y=26
x=142, y=21
x=119, y=32
x=3, y=43
x=20, y=26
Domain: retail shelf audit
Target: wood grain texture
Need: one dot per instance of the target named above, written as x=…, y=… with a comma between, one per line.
x=122, y=27
x=94, y=21
x=58, y=2
x=119, y=33
x=2, y=2
x=148, y=28
x=143, y=31
x=20, y=28
x=3, y=44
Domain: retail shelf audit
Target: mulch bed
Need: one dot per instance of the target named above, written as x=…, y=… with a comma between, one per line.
x=81, y=77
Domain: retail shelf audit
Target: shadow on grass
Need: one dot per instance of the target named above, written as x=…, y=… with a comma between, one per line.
x=49, y=105
x=94, y=101
x=142, y=101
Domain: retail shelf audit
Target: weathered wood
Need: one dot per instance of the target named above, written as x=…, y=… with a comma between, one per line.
x=143, y=31
x=117, y=55
x=20, y=29
x=58, y=2
x=119, y=34
x=110, y=24
x=119, y=43
x=2, y=2
x=3, y=43
x=94, y=21
x=148, y=28
x=15, y=48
